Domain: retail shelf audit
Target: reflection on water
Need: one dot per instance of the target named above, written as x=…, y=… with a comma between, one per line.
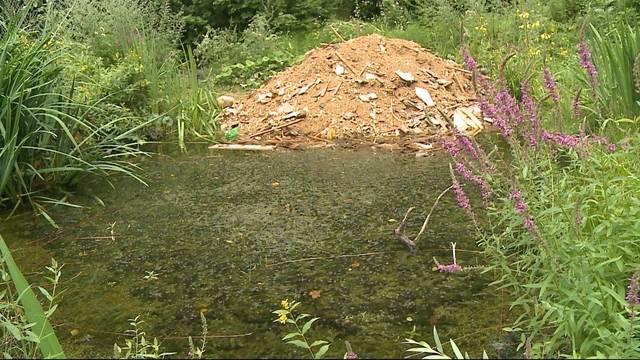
x=233, y=233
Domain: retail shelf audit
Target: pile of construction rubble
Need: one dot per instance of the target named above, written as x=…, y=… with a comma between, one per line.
x=369, y=88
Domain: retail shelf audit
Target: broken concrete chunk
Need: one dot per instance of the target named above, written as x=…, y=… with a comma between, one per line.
x=339, y=70
x=264, y=98
x=295, y=114
x=285, y=108
x=406, y=76
x=424, y=95
x=226, y=101
x=368, y=97
x=348, y=115
x=465, y=121
x=369, y=76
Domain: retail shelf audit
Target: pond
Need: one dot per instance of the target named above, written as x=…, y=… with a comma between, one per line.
x=231, y=234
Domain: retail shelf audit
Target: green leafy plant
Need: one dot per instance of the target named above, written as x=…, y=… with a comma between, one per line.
x=137, y=346
x=425, y=351
x=287, y=315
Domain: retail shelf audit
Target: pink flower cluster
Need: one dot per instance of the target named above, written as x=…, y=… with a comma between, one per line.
x=587, y=63
x=550, y=85
x=449, y=268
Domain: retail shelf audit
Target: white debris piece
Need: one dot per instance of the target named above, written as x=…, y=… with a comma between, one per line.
x=369, y=76
x=339, y=70
x=466, y=121
x=368, y=97
x=226, y=101
x=405, y=76
x=264, y=98
x=424, y=95
x=285, y=108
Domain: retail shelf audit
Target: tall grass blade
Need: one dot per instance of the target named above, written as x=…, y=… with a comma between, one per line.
x=49, y=345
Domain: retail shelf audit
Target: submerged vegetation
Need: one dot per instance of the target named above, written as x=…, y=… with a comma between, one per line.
x=85, y=84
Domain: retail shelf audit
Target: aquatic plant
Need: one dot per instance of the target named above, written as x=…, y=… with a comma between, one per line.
x=137, y=346
x=425, y=351
x=287, y=315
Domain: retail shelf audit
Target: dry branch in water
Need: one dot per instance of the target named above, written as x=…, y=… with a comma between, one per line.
x=412, y=244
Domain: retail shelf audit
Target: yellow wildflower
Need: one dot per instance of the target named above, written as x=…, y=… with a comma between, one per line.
x=545, y=36
x=282, y=319
x=285, y=304
x=534, y=51
x=535, y=25
x=524, y=15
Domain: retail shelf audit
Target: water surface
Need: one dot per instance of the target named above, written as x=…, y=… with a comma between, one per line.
x=233, y=233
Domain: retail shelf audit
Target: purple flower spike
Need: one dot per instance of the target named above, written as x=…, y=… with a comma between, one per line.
x=520, y=206
x=351, y=355
x=550, y=85
x=632, y=294
x=449, y=268
x=563, y=140
x=530, y=107
x=451, y=147
x=575, y=107
x=587, y=63
x=531, y=227
x=485, y=189
x=611, y=147
x=467, y=146
x=469, y=62
x=461, y=197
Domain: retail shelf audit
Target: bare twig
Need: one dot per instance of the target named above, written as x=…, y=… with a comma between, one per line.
x=277, y=127
x=412, y=244
x=337, y=33
x=346, y=63
x=335, y=91
x=426, y=221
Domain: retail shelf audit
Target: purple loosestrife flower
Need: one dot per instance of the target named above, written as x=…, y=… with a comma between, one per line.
x=632, y=294
x=461, y=197
x=351, y=355
x=469, y=62
x=550, y=85
x=508, y=106
x=520, y=206
x=532, y=228
x=467, y=146
x=485, y=189
x=575, y=106
x=530, y=107
x=451, y=147
x=611, y=147
x=587, y=63
x=449, y=268
x=563, y=140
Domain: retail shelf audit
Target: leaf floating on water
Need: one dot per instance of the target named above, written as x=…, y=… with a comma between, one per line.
x=424, y=95
x=405, y=76
x=314, y=294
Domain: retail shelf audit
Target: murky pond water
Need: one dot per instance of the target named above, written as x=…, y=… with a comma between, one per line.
x=233, y=233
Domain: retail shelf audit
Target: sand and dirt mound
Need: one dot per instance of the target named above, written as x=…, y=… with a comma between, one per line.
x=370, y=88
